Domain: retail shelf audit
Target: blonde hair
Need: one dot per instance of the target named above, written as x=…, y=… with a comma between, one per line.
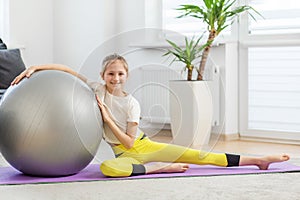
x=111, y=59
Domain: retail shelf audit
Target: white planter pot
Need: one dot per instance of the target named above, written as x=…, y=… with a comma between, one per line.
x=191, y=112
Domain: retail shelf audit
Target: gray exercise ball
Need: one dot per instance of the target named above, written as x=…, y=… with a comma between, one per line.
x=50, y=124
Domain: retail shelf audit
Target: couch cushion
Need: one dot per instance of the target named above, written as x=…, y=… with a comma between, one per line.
x=11, y=64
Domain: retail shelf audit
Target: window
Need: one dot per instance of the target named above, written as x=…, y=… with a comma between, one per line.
x=274, y=88
x=269, y=71
x=279, y=17
x=188, y=26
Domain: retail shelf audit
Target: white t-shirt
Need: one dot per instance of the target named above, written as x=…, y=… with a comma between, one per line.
x=122, y=110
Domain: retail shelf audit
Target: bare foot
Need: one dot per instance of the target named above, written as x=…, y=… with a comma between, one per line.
x=159, y=167
x=175, y=167
x=264, y=162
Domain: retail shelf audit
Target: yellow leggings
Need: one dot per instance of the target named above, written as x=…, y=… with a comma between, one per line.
x=144, y=150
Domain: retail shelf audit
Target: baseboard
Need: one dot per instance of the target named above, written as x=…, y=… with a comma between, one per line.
x=226, y=137
x=270, y=140
x=220, y=137
x=157, y=132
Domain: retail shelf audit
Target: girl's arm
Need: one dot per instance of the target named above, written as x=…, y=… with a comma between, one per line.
x=128, y=138
x=28, y=72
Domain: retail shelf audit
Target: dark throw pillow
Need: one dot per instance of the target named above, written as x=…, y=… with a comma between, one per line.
x=11, y=65
x=2, y=45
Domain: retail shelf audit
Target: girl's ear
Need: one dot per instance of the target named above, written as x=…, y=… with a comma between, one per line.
x=101, y=74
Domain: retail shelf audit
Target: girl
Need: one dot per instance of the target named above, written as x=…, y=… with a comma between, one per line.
x=135, y=153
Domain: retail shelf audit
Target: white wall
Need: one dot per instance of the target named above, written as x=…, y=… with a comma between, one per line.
x=130, y=15
x=67, y=31
x=31, y=27
x=60, y=31
x=226, y=58
x=80, y=27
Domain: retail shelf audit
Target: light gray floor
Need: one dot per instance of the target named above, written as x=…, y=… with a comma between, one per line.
x=265, y=186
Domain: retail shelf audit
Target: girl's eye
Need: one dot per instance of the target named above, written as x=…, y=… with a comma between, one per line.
x=121, y=74
x=111, y=74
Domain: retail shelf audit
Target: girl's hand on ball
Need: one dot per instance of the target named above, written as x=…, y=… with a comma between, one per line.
x=105, y=114
x=26, y=73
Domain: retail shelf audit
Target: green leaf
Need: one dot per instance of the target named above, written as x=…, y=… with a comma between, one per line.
x=188, y=53
x=217, y=15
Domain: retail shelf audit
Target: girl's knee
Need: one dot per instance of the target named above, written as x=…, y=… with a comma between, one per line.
x=112, y=168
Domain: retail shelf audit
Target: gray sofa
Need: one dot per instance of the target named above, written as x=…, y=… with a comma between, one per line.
x=11, y=64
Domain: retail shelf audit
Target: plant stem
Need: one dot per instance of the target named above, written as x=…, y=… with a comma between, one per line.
x=212, y=35
x=190, y=72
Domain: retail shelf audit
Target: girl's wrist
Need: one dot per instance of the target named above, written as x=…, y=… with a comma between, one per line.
x=34, y=68
x=109, y=121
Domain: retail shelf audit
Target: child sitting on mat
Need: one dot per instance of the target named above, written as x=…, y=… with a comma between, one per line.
x=135, y=153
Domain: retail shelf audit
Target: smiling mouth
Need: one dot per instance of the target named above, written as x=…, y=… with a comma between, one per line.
x=115, y=83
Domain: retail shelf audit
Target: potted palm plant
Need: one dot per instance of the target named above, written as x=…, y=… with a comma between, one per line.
x=187, y=54
x=217, y=15
x=191, y=108
x=191, y=101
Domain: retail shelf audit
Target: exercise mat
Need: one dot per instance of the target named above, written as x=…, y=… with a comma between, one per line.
x=10, y=176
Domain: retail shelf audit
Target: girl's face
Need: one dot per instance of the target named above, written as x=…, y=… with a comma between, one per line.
x=115, y=75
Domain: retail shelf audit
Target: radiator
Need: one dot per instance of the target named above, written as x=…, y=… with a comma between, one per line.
x=149, y=84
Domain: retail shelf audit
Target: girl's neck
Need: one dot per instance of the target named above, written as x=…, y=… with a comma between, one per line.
x=116, y=92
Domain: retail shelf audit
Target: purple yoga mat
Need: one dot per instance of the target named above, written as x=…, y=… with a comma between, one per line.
x=10, y=176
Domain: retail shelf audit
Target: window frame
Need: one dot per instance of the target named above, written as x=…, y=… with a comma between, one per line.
x=246, y=41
